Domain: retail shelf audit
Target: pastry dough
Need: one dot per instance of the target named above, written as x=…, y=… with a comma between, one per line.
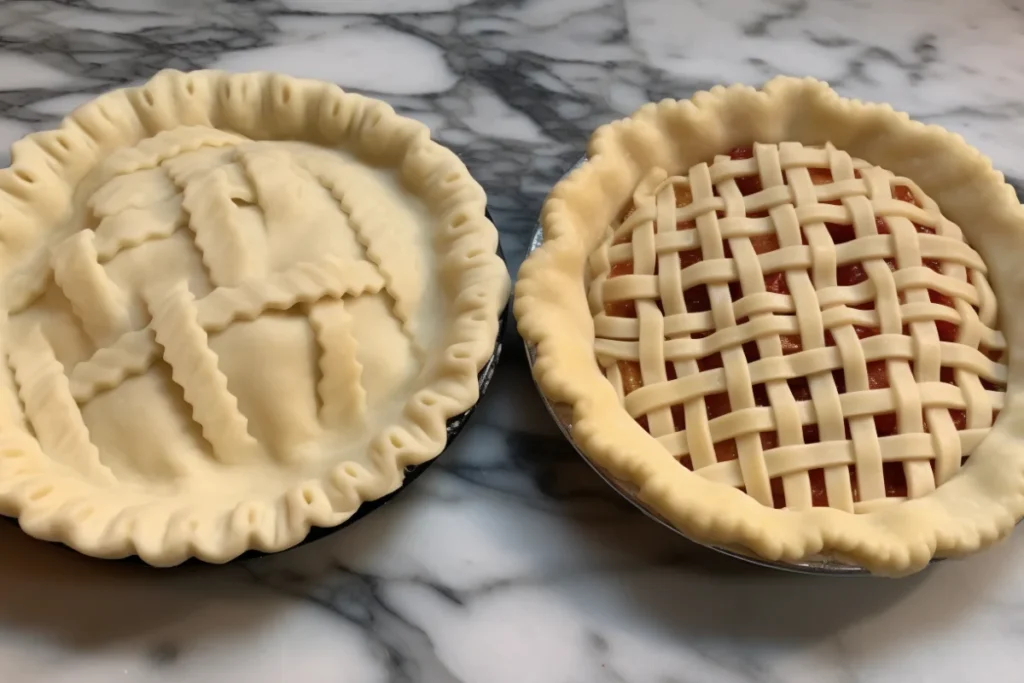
x=801, y=325
x=235, y=306
x=871, y=152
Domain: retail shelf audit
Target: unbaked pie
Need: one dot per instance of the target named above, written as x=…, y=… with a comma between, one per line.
x=235, y=307
x=786, y=333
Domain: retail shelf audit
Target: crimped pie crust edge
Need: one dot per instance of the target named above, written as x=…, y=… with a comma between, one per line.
x=35, y=194
x=974, y=509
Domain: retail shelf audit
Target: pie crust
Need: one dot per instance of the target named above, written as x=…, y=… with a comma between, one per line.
x=235, y=306
x=923, y=309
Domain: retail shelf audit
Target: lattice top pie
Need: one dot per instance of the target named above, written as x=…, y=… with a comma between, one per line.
x=786, y=324
x=235, y=306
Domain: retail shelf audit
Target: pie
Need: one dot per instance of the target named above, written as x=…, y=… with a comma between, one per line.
x=234, y=307
x=779, y=317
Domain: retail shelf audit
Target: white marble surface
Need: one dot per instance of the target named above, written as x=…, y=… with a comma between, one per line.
x=509, y=560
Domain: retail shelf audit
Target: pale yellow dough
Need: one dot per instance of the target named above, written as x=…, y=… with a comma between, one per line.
x=235, y=306
x=953, y=512
x=816, y=316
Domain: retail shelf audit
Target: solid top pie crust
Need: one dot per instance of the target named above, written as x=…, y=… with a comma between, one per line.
x=784, y=308
x=235, y=306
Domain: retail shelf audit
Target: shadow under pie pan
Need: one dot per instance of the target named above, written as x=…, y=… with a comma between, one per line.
x=815, y=565
x=455, y=426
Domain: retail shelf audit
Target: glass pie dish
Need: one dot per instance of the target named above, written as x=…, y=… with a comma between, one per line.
x=563, y=419
x=774, y=316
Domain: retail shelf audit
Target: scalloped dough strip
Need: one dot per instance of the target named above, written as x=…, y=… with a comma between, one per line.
x=133, y=227
x=133, y=353
x=51, y=409
x=125, y=228
x=96, y=300
x=26, y=284
x=191, y=167
x=165, y=145
x=137, y=191
x=400, y=279
x=12, y=414
x=194, y=369
x=342, y=396
x=331, y=276
x=130, y=355
x=212, y=217
x=278, y=183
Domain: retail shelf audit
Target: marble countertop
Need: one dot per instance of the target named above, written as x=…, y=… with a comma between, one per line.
x=509, y=560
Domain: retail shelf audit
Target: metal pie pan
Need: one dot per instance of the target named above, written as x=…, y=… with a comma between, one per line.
x=818, y=565
x=454, y=428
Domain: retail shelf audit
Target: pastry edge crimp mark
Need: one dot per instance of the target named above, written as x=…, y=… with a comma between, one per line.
x=134, y=352
x=48, y=404
x=331, y=179
x=29, y=283
x=893, y=314
x=15, y=448
x=194, y=368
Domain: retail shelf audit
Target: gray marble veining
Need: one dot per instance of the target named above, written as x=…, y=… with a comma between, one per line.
x=509, y=560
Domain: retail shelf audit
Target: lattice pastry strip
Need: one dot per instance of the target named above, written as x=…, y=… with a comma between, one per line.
x=400, y=284
x=194, y=367
x=823, y=261
x=213, y=219
x=139, y=201
x=787, y=318
x=342, y=396
x=55, y=418
x=96, y=300
x=152, y=152
x=133, y=227
x=217, y=339
x=135, y=351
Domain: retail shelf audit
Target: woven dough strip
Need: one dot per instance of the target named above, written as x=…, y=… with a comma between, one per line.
x=792, y=208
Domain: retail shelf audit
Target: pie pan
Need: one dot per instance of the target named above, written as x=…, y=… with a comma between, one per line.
x=236, y=308
x=589, y=230
x=562, y=417
x=454, y=428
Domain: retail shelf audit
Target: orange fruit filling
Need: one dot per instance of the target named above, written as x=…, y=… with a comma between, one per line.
x=697, y=300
